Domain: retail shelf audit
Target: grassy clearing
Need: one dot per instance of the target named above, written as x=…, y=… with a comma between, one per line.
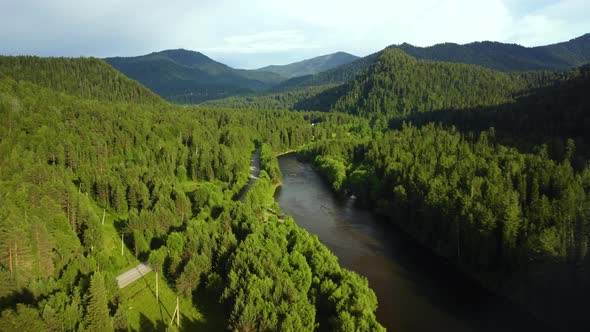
x=112, y=240
x=145, y=313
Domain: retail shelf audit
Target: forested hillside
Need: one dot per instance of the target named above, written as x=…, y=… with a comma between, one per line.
x=312, y=98
x=488, y=169
x=78, y=175
x=191, y=77
x=546, y=118
x=398, y=84
x=311, y=66
x=494, y=55
x=519, y=222
x=85, y=77
x=508, y=57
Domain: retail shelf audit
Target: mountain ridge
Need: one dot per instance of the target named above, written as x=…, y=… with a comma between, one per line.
x=180, y=72
x=312, y=65
x=494, y=55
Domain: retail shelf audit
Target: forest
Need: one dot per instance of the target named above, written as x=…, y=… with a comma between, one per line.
x=165, y=178
x=487, y=169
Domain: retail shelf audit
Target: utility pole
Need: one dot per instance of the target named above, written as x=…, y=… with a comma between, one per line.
x=104, y=212
x=157, y=293
x=122, y=244
x=176, y=314
x=10, y=258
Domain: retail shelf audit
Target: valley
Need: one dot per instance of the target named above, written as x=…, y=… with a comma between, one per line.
x=412, y=189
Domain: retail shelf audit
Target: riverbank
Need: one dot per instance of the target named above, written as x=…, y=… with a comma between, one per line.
x=416, y=289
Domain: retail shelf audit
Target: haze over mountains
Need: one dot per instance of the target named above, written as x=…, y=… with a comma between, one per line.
x=311, y=66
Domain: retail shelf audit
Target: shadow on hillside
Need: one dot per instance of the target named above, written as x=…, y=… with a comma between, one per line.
x=549, y=116
x=323, y=101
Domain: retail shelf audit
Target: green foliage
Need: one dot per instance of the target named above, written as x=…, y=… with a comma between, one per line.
x=493, y=210
x=318, y=98
x=270, y=164
x=85, y=77
x=333, y=169
x=68, y=159
x=550, y=114
x=398, y=85
x=97, y=315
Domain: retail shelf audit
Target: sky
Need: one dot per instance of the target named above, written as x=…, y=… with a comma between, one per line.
x=255, y=33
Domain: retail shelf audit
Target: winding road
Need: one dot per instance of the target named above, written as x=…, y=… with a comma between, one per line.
x=142, y=269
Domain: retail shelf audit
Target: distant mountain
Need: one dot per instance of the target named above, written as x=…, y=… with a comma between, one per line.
x=508, y=57
x=191, y=76
x=499, y=56
x=337, y=75
x=88, y=78
x=311, y=66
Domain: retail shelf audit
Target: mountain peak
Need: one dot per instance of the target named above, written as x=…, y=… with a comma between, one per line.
x=186, y=57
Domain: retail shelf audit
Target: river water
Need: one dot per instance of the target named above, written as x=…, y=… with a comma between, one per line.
x=416, y=290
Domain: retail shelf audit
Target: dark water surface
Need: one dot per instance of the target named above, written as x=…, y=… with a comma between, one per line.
x=416, y=290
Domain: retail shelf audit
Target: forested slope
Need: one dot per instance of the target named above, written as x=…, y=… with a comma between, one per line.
x=508, y=57
x=312, y=98
x=89, y=78
x=190, y=77
x=447, y=172
x=398, y=85
x=165, y=177
x=519, y=222
x=494, y=55
x=545, y=118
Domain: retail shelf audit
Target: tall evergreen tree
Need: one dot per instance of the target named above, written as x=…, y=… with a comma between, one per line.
x=98, y=319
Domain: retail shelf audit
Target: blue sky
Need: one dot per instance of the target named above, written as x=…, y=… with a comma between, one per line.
x=255, y=33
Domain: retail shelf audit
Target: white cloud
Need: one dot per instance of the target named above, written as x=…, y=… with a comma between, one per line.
x=259, y=32
x=265, y=42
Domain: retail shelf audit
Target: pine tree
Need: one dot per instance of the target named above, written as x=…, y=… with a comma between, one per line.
x=98, y=310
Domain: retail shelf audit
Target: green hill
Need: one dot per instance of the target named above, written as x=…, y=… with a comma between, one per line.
x=89, y=188
x=191, y=77
x=88, y=78
x=500, y=56
x=337, y=75
x=398, y=84
x=311, y=66
x=508, y=57
x=548, y=115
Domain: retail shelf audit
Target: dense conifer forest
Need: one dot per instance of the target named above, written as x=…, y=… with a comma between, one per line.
x=165, y=177
x=488, y=169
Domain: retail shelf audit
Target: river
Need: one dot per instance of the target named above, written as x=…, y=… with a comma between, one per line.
x=416, y=290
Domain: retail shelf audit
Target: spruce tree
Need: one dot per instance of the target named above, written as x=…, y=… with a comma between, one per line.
x=98, y=310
